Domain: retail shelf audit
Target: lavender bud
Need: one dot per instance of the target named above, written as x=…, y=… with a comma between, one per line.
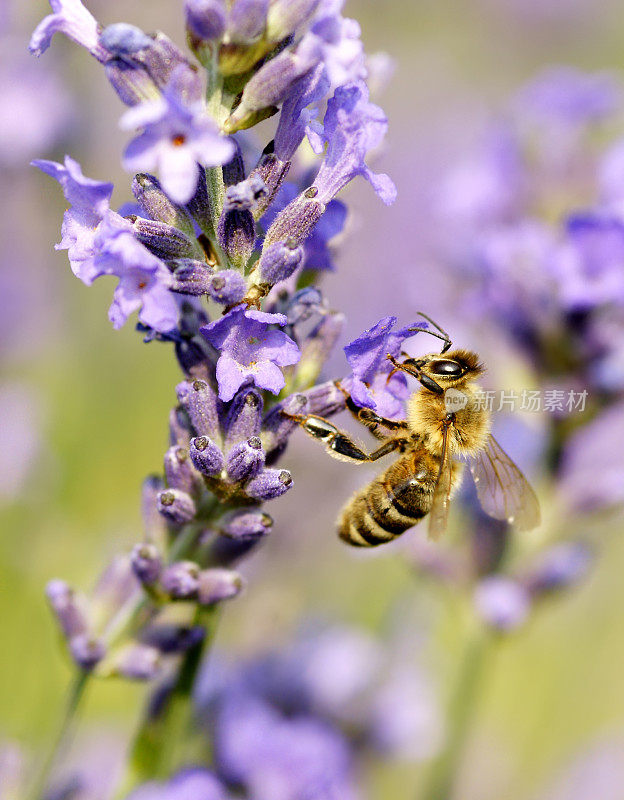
x=269, y=484
x=245, y=460
x=227, y=287
x=277, y=427
x=161, y=59
x=190, y=277
x=180, y=580
x=225, y=551
x=296, y=221
x=279, y=261
x=132, y=84
x=234, y=170
x=237, y=234
x=157, y=205
x=325, y=399
x=217, y=584
x=205, y=19
x=206, y=456
x=178, y=507
x=172, y=638
x=560, y=566
x=200, y=403
x=272, y=172
x=146, y=563
x=244, y=417
x=199, y=204
x=246, y=194
x=66, y=608
x=121, y=39
x=245, y=524
x=161, y=239
x=178, y=469
x=285, y=16
x=87, y=651
x=502, y=603
x=138, y=662
x=247, y=20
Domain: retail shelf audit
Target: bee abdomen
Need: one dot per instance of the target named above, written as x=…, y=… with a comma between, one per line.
x=374, y=516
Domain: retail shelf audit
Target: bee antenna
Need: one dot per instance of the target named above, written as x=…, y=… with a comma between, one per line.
x=442, y=335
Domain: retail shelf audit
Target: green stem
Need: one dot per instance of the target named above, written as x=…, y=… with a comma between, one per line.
x=462, y=707
x=62, y=737
x=165, y=739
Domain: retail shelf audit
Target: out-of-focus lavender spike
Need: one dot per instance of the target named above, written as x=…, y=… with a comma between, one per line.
x=179, y=472
x=158, y=206
x=271, y=483
x=178, y=507
x=227, y=287
x=87, y=651
x=206, y=456
x=169, y=639
x=67, y=608
x=146, y=563
x=138, y=662
x=200, y=403
x=318, y=344
x=245, y=524
x=244, y=417
x=217, y=584
x=180, y=580
x=277, y=426
x=502, y=603
x=245, y=460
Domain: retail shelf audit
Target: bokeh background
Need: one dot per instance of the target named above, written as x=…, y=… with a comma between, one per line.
x=83, y=409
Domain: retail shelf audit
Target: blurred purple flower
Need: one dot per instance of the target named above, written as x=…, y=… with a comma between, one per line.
x=250, y=350
x=21, y=440
x=597, y=772
x=338, y=39
x=584, y=458
x=280, y=758
x=176, y=134
x=559, y=567
x=502, y=603
x=570, y=96
x=71, y=18
x=352, y=127
x=369, y=385
x=192, y=783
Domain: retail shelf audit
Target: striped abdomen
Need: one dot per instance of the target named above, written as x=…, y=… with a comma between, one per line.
x=395, y=501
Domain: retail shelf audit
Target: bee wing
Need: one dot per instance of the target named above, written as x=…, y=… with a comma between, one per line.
x=438, y=516
x=502, y=489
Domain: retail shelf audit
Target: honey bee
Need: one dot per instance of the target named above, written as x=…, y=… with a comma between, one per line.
x=444, y=422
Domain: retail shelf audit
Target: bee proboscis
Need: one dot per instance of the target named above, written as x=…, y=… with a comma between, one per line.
x=444, y=422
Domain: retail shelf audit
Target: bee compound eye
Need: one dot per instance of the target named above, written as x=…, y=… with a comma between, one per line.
x=446, y=367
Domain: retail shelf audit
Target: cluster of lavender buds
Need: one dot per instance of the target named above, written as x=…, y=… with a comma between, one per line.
x=217, y=255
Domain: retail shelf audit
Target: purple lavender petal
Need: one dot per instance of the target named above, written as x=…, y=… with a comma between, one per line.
x=71, y=18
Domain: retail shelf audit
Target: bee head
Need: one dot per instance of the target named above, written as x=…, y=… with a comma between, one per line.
x=449, y=368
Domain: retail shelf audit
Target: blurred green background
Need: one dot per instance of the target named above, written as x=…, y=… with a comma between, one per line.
x=86, y=414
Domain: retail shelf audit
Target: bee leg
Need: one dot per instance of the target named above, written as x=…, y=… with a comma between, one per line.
x=339, y=444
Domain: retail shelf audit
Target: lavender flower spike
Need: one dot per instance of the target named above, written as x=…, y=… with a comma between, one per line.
x=352, y=126
x=71, y=18
x=250, y=350
x=176, y=134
